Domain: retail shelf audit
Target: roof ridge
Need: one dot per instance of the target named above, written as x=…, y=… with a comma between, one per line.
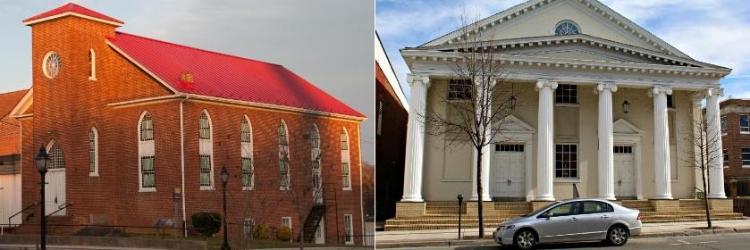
x=198, y=49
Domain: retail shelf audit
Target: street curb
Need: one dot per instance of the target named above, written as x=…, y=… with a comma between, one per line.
x=482, y=242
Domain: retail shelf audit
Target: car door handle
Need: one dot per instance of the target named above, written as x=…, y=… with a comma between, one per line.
x=605, y=216
x=574, y=219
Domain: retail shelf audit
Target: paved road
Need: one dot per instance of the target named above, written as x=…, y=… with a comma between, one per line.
x=708, y=241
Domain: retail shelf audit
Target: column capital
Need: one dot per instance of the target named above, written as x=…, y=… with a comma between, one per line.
x=715, y=92
x=611, y=86
x=418, y=78
x=659, y=89
x=546, y=83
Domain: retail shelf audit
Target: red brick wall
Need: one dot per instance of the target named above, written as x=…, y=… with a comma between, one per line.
x=68, y=106
x=733, y=142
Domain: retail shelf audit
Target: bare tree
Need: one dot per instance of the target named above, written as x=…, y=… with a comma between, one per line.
x=705, y=145
x=477, y=103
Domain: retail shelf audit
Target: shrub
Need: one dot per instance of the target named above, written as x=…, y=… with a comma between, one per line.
x=263, y=232
x=284, y=234
x=206, y=223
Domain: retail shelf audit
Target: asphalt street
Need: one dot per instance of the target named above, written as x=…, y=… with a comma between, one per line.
x=708, y=241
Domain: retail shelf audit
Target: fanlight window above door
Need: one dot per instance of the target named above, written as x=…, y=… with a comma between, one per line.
x=566, y=27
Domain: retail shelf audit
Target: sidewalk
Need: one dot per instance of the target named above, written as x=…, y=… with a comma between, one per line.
x=449, y=236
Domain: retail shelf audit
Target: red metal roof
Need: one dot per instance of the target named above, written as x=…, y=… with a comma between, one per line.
x=72, y=8
x=226, y=76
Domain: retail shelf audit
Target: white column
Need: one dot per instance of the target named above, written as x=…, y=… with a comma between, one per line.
x=415, y=139
x=606, y=156
x=486, y=150
x=546, y=141
x=713, y=141
x=662, y=160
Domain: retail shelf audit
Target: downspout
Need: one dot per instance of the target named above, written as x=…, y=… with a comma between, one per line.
x=182, y=166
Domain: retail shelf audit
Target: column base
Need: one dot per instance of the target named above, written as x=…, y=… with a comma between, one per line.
x=486, y=198
x=411, y=199
x=721, y=205
x=717, y=196
x=410, y=209
x=539, y=204
x=665, y=205
x=548, y=197
x=608, y=197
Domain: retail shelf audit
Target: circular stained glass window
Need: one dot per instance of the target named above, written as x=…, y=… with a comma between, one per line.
x=566, y=27
x=51, y=64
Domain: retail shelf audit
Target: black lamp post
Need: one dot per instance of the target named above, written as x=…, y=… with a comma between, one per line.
x=224, y=178
x=41, y=166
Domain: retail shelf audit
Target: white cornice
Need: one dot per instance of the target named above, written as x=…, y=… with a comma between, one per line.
x=23, y=105
x=70, y=13
x=531, y=5
x=381, y=57
x=536, y=61
x=542, y=41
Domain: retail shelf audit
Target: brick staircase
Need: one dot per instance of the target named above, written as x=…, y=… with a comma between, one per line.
x=443, y=214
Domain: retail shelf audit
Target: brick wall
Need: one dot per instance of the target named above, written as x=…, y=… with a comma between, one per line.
x=67, y=107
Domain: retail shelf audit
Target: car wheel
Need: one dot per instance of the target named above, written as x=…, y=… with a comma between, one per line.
x=617, y=235
x=525, y=239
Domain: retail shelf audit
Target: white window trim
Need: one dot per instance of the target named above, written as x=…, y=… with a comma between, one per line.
x=578, y=167
x=346, y=158
x=351, y=229
x=142, y=144
x=245, y=224
x=92, y=61
x=723, y=122
x=210, y=144
x=249, y=154
x=740, y=123
x=288, y=218
x=96, y=152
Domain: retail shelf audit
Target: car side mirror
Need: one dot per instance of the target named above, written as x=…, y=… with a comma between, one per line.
x=546, y=215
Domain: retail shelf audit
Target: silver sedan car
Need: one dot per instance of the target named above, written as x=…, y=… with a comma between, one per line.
x=571, y=220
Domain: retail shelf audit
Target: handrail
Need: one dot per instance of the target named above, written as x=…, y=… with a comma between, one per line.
x=16, y=214
x=60, y=208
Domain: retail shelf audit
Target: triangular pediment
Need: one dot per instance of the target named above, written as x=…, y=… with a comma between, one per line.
x=580, y=51
x=537, y=18
x=512, y=124
x=624, y=127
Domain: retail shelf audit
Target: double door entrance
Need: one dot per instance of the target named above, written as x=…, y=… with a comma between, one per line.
x=509, y=171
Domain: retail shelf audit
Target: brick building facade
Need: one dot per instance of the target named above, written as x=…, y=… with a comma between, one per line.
x=735, y=128
x=140, y=130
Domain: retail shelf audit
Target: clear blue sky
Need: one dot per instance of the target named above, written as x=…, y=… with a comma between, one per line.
x=308, y=37
x=713, y=31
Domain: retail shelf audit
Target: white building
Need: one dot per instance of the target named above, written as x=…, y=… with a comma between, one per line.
x=576, y=65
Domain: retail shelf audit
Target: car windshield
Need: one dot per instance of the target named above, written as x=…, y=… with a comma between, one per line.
x=541, y=209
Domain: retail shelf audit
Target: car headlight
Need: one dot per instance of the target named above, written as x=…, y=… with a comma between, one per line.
x=508, y=227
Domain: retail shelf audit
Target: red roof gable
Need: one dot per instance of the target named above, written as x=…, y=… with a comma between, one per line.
x=10, y=130
x=226, y=76
x=72, y=9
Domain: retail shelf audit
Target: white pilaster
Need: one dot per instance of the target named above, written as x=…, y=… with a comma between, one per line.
x=486, y=150
x=546, y=141
x=662, y=160
x=415, y=139
x=713, y=143
x=606, y=156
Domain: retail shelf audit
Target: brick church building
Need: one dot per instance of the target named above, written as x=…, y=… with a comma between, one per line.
x=138, y=131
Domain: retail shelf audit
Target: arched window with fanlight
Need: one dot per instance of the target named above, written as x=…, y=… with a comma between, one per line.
x=346, y=178
x=283, y=156
x=93, y=152
x=567, y=27
x=205, y=151
x=246, y=154
x=146, y=154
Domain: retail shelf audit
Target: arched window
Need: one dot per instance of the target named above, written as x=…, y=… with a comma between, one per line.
x=146, y=153
x=316, y=158
x=93, y=152
x=205, y=151
x=246, y=151
x=283, y=156
x=346, y=178
x=566, y=27
x=92, y=64
x=57, y=159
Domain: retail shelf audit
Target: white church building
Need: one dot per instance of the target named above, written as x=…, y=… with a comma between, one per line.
x=602, y=103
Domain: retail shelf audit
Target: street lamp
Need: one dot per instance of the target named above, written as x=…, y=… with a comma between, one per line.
x=460, y=201
x=41, y=165
x=224, y=175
